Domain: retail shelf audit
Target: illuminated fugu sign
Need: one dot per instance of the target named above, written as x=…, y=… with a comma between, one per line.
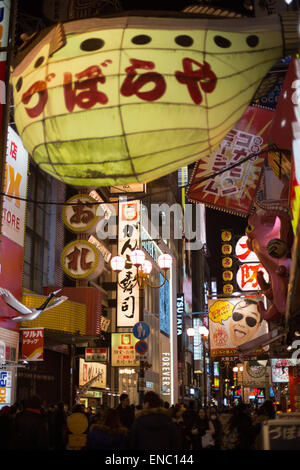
x=114, y=101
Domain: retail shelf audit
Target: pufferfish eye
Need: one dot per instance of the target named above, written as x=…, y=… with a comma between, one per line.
x=249, y=228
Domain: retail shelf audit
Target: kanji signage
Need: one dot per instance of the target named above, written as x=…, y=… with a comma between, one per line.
x=233, y=190
x=33, y=344
x=180, y=74
x=95, y=354
x=243, y=253
x=227, y=262
x=281, y=434
x=15, y=188
x=81, y=260
x=123, y=351
x=128, y=241
x=79, y=214
x=246, y=275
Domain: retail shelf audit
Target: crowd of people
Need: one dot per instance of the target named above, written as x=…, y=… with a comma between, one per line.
x=154, y=426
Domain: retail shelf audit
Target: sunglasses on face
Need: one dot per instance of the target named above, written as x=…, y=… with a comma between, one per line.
x=236, y=316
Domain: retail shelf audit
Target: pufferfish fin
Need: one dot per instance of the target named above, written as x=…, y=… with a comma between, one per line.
x=58, y=39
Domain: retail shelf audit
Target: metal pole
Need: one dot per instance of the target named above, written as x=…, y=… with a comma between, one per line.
x=141, y=381
x=204, y=371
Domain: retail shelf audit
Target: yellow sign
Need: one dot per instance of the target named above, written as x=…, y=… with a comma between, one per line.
x=226, y=236
x=123, y=350
x=227, y=276
x=226, y=249
x=114, y=101
x=227, y=262
x=80, y=259
x=79, y=215
x=228, y=289
x=220, y=311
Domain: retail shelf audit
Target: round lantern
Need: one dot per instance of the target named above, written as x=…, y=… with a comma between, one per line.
x=114, y=101
x=80, y=214
x=80, y=259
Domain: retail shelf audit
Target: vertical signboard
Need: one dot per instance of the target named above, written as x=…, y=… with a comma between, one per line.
x=180, y=313
x=128, y=241
x=4, y=29
x=246, y=276
x=15, y=188
x=227, y=262
x=13, y=221
x=166, y=370
x=164, y=302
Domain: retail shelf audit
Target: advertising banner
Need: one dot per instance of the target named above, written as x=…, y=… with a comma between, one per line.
x=128, y=241
x=233, y=322
x=294, y=387
x=15, y=186
x=13, y=222
x=89, y=371
x=33, y=344
x=233, y=190
x=5, y=387
x=280, y=369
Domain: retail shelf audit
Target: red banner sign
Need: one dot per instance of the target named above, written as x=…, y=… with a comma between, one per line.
x=233, y=190
x=33, y=344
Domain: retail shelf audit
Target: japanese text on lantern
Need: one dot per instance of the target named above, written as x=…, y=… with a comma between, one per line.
x=128, y=241
x=81, y=90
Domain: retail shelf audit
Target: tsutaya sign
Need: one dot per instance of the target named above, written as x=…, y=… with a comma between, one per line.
x=180, y=312
x=180, y=74
x=128, y=240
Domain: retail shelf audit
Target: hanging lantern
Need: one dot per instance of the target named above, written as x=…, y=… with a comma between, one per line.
x=113, y=101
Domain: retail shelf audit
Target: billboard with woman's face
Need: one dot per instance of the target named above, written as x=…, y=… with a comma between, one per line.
x=233, y=322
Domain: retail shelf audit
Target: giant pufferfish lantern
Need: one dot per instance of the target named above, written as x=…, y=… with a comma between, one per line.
x=111, y=101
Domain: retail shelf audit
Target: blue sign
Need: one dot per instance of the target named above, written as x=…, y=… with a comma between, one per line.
x=141, y=330
x=141, y=347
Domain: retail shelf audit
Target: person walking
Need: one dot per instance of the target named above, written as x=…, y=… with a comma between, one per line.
x=200, y=428
x=126, y=412
x=60, y=428
x=6, y=421
x=264, y=413
x=215, y=427
x=153, y=428
x=30, y=427
x=107, y=433
x=239, y=433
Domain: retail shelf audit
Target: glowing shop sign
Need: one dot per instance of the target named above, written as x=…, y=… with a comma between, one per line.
x=114, y=101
